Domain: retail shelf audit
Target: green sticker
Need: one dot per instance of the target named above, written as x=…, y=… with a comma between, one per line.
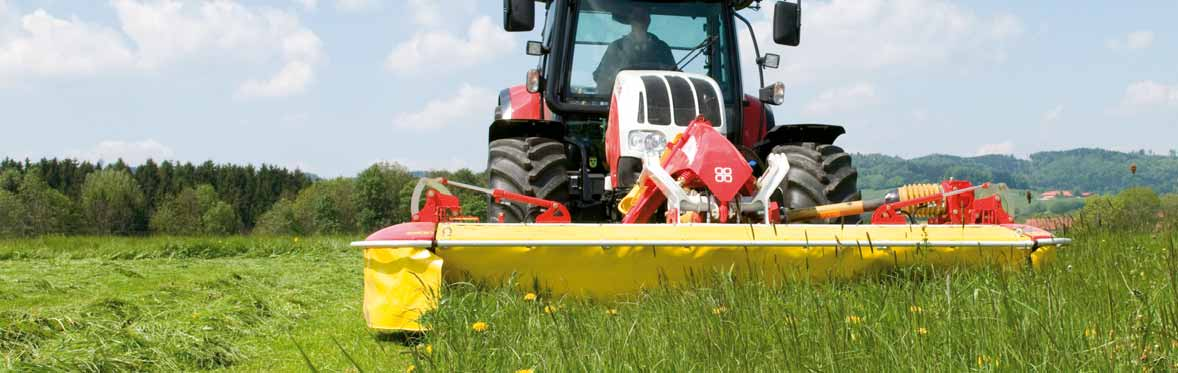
x=592, y=162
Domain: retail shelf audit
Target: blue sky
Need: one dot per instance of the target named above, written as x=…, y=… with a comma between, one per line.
x=331, y=86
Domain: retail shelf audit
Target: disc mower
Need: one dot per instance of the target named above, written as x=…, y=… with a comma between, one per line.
x=612, y=172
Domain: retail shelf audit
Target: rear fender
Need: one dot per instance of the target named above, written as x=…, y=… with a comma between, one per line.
x=823, y=134
x=506, y=128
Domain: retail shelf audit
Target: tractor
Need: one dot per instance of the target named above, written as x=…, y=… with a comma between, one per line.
x=617, y=80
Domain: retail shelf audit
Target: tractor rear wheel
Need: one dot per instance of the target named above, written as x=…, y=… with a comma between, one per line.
x=532, y=166
x=819, y=175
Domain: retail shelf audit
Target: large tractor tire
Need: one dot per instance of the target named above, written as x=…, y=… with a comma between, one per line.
x=819, y=175
x=532, y=166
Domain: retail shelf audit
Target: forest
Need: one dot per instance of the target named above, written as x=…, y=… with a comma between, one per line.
x=65, y=196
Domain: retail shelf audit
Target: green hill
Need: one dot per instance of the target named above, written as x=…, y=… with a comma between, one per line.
x=1083, y=170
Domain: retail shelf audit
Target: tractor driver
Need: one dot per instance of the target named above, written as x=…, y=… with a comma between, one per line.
x=638, y=49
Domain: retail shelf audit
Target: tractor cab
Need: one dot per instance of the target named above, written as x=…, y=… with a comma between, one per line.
x=679, y=60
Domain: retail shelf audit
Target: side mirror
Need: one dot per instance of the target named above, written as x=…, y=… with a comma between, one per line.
x=519, y=15
x=787, y=23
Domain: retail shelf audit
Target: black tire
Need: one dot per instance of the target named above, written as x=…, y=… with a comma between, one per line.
x=532, y=166
x=819, y=175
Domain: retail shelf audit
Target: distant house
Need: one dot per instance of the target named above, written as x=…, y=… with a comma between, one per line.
x=1068, y=194
x=1087, y=194
x=1049, y=195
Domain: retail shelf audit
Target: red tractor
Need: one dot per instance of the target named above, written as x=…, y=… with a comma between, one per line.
x=619, y=80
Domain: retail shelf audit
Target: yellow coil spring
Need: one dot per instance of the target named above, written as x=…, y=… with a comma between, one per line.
x=914, y=191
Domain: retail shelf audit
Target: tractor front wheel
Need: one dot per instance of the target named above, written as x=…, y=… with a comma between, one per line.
x=532, y=166
x=819, y=174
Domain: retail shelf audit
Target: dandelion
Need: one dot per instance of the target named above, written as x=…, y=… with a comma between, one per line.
x=525, y=371
x=854, y=320
x=612, y=312
x=1090, y=332
x=915, y=309
x=549, y=309
x=921, y=331
x=296, y=239
x=530, y=297
x=195, y=315
x=411, y=368
x=479, y=326
x=719, y=310
x=427, y=349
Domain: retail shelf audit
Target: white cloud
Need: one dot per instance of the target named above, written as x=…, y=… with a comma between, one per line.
x=430, y=13
x=1149, y=94
x=1002, y=148
x=308, y=5
x=1140, y=39
x=1053, y=114
x=471, y=106
x=133, y=153
x=159, y=34
x=843, y=99
x=847, y=36
x=440, y=50
x=44, y=45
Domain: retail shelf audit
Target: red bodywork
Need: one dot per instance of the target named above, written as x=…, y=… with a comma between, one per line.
x=524, y=105
x=613, y=146
x=699, y=158
x=961, y=208
x=756, y=125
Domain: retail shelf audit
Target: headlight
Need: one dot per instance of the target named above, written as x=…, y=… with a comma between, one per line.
x=649, y=142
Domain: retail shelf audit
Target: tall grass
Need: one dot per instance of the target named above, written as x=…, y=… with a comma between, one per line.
x=1108, y=304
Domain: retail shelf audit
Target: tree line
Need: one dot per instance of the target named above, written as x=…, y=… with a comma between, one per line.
x=1083, y=170
x=65, y=196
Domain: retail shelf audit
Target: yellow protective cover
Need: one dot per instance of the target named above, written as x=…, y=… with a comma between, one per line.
x=403, y=283
x=400, y=284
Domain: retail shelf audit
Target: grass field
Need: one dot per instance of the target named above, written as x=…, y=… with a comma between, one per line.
x=252, y=304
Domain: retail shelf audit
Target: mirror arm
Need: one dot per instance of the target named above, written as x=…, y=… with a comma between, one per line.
x=756, y=48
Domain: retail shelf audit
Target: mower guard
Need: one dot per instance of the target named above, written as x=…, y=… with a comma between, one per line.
x=406, y=265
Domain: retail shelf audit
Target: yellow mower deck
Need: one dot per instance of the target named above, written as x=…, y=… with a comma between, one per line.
x=405, y=265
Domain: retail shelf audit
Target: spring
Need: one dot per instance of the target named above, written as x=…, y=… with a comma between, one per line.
x=914, y=191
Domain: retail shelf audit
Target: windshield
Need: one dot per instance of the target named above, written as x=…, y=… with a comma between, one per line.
x=615, y=35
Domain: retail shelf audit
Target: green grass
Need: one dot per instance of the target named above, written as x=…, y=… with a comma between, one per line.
x=172, y=304
x=252, y=304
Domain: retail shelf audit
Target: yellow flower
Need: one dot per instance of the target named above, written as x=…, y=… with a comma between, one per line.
x=525, y=371
x=549, y=309
x=612, y=312
x=195, y=315
x=530, y=296
x=1090, y=332
x=411, y=369
x=719, y=310
x=296, y=239
x=479, y=326
x=921, y=331
x=915, y=309
x=854, y=320
x=426, y=348
x=854, y=337
x=984, y=360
